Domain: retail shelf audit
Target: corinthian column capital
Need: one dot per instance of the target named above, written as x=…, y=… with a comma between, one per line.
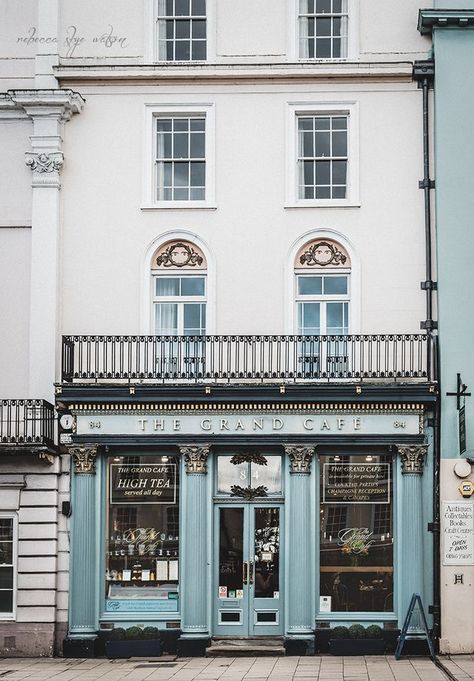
x=300, y=458
x=195, y=457
x=84, y=458
x=412, y=458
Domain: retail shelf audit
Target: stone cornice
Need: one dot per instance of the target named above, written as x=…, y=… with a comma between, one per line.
x=399, y=70
x=429, y=19
x=63, y=103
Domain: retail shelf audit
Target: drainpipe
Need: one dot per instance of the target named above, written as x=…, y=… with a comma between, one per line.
x=423, y=73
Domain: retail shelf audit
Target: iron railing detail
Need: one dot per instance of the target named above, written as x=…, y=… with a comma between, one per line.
x=26, y=422
x=244, y=359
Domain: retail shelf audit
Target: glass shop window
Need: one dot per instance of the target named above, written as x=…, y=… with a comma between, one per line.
x=249, y=475
x=356, y=532
x=142, y=542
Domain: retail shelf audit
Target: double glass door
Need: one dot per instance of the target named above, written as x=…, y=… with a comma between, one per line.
x=247, y=578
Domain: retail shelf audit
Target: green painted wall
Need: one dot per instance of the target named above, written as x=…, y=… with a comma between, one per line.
x=454, y=154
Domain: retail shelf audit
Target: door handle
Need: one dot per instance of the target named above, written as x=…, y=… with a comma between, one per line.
x=251, y=572
x=244, y=572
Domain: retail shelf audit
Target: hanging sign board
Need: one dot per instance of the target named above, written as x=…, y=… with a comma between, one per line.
x=458, y=532
x=462, y=429
x=143, y=483
x=356, y=483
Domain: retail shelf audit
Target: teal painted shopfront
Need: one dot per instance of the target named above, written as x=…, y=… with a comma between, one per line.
x=247, y=519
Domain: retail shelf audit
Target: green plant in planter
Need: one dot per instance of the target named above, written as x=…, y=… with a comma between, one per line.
x=133, y=634
x=152, y=633
x=339, y=632
x=357, y=631
x=117, y=634
x=374, y=631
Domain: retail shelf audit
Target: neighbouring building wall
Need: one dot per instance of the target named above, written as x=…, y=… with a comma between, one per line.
x=32, y=490
x=454, y=151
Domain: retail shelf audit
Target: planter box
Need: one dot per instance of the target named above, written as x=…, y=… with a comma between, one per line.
x=142, y=648
x=351, y=646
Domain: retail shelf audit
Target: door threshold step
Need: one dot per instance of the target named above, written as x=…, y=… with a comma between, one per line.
x=246, y=647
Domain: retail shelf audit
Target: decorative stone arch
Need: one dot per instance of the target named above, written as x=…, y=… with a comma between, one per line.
x=323, y=250
x=177, y=251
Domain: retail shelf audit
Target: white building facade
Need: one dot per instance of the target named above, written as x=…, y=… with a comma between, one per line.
x=211, y=267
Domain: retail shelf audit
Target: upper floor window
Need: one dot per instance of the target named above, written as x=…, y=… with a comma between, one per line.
x=179, y=290
x=322, y=270
x=322, y=154
x=322, y=29
x=181, y=158
x=181, y=30
x=322, y=157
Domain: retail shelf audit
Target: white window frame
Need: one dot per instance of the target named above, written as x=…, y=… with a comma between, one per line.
x=5, y=616
x=180, y=301
x=151, y=37
x=352, y=35
x=154, y=111
x=296, y=110
x=322, y=298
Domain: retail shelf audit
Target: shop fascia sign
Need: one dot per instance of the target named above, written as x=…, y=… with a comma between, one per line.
x=216, y=424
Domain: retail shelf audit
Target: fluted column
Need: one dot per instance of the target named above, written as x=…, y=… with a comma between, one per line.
x=301, y=570
x=83, y=599
x=194, y=584
x=412, y=461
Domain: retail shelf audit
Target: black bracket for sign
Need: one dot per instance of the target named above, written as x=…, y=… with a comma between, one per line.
x=460, y=391
x=415, y=599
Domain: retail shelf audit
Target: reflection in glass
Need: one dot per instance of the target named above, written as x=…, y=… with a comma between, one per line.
x=267, y=552
x=356, y=533
x=142, y=542
x=231, y=540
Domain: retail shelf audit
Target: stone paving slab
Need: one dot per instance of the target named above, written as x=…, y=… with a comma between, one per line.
x=326, y=668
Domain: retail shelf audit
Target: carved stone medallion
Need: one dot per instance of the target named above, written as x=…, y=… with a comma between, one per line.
x=300, y=458
x=84, y=458
x=323, y=253
x=195, y=457
x=179, y=254
x=412, y=458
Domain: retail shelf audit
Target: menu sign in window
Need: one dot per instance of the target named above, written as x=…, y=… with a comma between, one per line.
x=143, y=483
x=356, y=483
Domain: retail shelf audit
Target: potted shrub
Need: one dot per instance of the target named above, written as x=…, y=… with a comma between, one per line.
x=133, y=642
x=357, y=640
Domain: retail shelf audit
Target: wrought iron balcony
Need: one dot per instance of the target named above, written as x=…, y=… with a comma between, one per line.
x=247, y=359
x=26, y=424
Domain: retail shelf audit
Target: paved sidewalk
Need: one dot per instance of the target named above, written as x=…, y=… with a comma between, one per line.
x=326, y=668
x=459, y=666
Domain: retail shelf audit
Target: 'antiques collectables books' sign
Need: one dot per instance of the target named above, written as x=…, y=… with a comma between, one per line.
x=356, y=483
x=458, y=532
x=143, y=483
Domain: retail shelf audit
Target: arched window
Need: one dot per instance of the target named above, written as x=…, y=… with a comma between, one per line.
x=322, y=289
x=179, y=289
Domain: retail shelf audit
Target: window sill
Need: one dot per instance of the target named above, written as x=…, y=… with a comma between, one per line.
x=179, y=205
x=324, y=203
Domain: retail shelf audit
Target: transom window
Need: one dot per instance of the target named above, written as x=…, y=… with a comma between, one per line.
x=181, y=158
x=322, y=27
x=322, y=156
x=181, y=30
x=180, y=305
x=322, y=304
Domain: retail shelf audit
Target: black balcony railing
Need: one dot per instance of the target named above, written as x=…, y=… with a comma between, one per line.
x=26, y=423
x=240, y=359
